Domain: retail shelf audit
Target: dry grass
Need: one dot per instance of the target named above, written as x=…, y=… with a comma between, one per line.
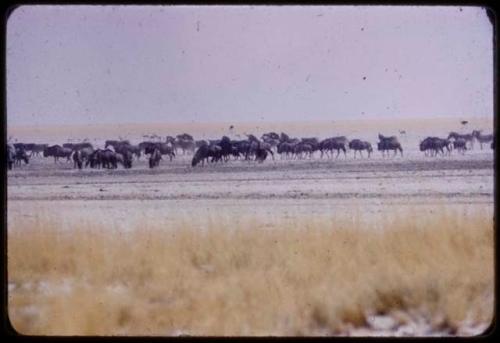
x=300, y=278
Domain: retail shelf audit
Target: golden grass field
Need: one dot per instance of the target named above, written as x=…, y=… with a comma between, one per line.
x=300, y=277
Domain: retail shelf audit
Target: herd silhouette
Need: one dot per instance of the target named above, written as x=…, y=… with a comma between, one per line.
x=123, y=153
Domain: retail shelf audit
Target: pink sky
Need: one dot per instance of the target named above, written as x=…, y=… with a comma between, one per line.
x=125, y=64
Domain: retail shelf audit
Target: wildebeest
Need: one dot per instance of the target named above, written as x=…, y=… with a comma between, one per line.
x=186, y=145
x=127, y=158
x=333, y=143
x=215, y=151
x=86, y=153
x=460, y=145
x=163, y=148
x=313, y=142
x=226, y=147
x=124, y=159
x=302, y=150
x=11, y=157
x=19, y=156
x=206, y=151
x=77, y=159
x=155, y=157
x=128, y=149
x=108, y=159
x=102, y=159
x=261, y=154
x=467, y=137
x=37, y=149
x=435, y=145
x=284, y=137
x=57, y=151
x=482, y=138
x=270, y=135
x=19, y=146
x=286, y=149
x=115, y=143
x=266, y=146
x=185, y=136
x=200, y=155
x=383, y=138
x=389, y=143
x=94, y=159
x=359, y=145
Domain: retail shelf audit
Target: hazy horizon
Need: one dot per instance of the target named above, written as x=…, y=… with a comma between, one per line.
x=88, y=65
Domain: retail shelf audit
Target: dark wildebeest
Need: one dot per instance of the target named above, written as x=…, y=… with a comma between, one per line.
x=389, y=143
x=77, y=159
x=215, y=151
x=20, y=146
x=284, y=137
x=467, y=137
x=135, y=150
x=383, y=138
x=28, y=147
x=94, y=159
x=163, y=148
x=85, y=153
x=57, y=151
x=272, y=138
x=482, y=138
x=115, y=143
x=426, y=146
x=240, y=148
x=359, y=145
x=261, y=154
x=185, y=136
x=186, y=145
x=460, y=145
x=155, y=157
x=37, y=149
x=125, y=159
x=200, y=155
x=313, y=142
x=333, y=143
x=206, y=151
x=108, y=159
x=102, y=159
x=128, y=149
x=266, y=146
x=226, y=147
x=435, y=145
x=302, y=150
x=21, y=155
x=286, y=150
x=270, y=135
x=341, y=139
x=11, y=156
x=235, y=152
x=253, y=145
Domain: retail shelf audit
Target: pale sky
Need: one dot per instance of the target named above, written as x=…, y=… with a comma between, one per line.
x=140, y=64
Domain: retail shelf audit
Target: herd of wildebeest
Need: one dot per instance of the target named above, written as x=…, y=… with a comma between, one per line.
x=122, y=152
